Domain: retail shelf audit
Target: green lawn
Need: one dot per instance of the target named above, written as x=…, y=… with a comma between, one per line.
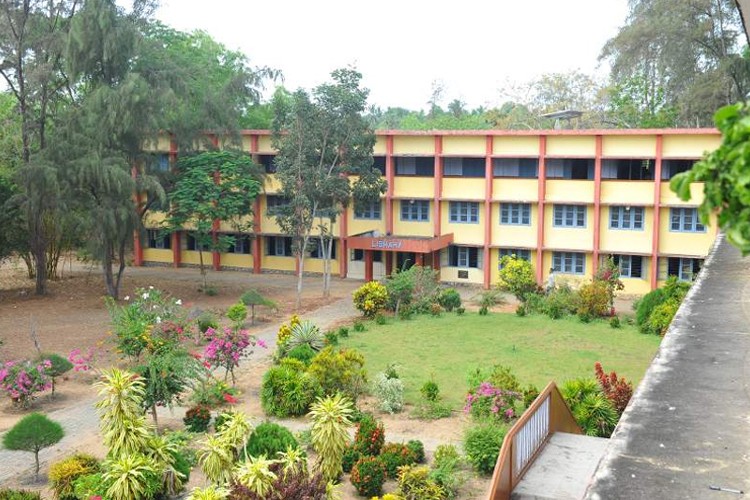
x=537, y=348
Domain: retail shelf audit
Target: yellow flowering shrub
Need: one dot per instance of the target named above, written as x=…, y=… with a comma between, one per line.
x=370, y=298
x=285, y=330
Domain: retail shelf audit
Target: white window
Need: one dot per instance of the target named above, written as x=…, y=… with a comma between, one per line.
x=569, y=262
x=367, y=210
x=569, y=216
x=685, y=220
x=464, y=212
x=518, y=214
x=415, y=210
x=623, y=217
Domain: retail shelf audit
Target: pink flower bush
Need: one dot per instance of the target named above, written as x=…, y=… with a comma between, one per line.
x=82, y=362
x=225, y=348
x=21, y=380
x=488, y=401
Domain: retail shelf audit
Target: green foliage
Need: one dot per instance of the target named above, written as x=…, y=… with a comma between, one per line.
x=430, y=391
x=33, y=433
x=661, y=317
x=395, y=455
x=331, y=338
x=449, y=299
x=212, y=492
x=330, y=432
x=460, y=310
x=212, y=392
x=256, y=474
x=482, y=446
x=417, y=448
x=593, y=300
x=560, y=302
x=499, y=376
x=358, y=326
x=614, y=322
x=656, y=309
x=368, y=476
x=237, y=313
x=370, y=298
x=389, y=391
x=339, y=371
x=529, y=395
x=305, y=333
x=484, y=311
x=288, y=391
x=131, y=477
x=216, y=459
x=303, y=352
x=343, y=332
x=592, y=410
x=207, y=320
x=414, y=483
x=517, y=277
x=380, y=319
x=197, y=418
x=64, y=473
x=88, y=486
x=647, y=303
x=370, y=436
x=9, y=494
x=254, y=298
x=445, y=453
x=350, y=457
x=60, y=365
x=269, y=439
x=521, y=310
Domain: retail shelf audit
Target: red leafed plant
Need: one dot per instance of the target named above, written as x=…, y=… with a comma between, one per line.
x=618, y=390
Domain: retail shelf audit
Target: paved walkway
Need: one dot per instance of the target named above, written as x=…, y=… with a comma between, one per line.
x=81, y=420
x=687, y=428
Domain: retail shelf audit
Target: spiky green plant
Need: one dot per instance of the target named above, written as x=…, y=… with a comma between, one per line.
x=333, y=491
x=162, y=452
x=292, y=460
x=331, y=422
x=216, y=459
x=209, y=493
x=596, y=415
x=255, y=473
x=305, y=333
x=235, y=430
x=131, y=477
x=121, y=418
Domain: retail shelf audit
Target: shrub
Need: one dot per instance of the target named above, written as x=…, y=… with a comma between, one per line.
x=285, y=331
x=435, y=309
x=521, y=310
x=370, y=436
x=368, y=476
x=529, y=395
x=417, y=447
x=592, y=410
x=212, y=392
x=269, y=439
x=350, y=457
x=131, y=477
x=343, y=332
x=59, y=365
x=207, y=320
x=500, y=376
x=225, y=348
x=406, y=312
x=62, y=474
x=430, y=391
x=288, y=391
x=395, y=455
x=445, y=453
x=253, y=298
x=593, y=300
x=370, y=298
x=303, y=352
x=33, y=433
x=560, y=302
x=618, y=390
x=90, y=486
x=432, y=410
x=22, y=380
x=460, y=310
x=359, y=326
x=237, y=314
x=449, y=299
x=305, y=333
x=298, y=484
x=484, y=311
x=197, y=418
x=614, y=322
x=389, y=393
x=339, y=371
x=661, y=317
x=8, y=494
x=414, y=483
x=490, y=402
x=330, y=432
x=517, y=277
x=482, y=446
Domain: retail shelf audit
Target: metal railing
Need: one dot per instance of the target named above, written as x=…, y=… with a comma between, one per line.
x=524, y=441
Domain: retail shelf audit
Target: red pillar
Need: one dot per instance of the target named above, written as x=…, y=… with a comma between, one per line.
x=343, y=248
x=436, y=260
x=215, y=255
x=176, y=250
x=419, y=259
x=388, y=263
x=487, y=209
x=389, y=176
x=438, y=183
x=541, y=193
x=368, y=265
x=137, y=246
x=597, y=202
x=657, y=213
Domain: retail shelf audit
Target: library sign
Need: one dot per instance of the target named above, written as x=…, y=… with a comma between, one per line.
x=386, y=244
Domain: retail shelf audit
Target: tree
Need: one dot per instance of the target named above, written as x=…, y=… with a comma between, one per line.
x=330, y=432
x=635, y=103
x=517, y=277
x=213, y=186
x=725, y=174
x=33, y=433
x=320, y=139
x=254, y=298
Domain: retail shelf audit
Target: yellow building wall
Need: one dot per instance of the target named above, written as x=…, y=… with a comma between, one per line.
x=414, y=145
x=245, y=225
x=278, y=263
x=689, y=146
x=271, y=184
x=637, y=286
x=515, y=146
x=450, y=274
x=316, y=266
x=684, y=244
x=154, y=219
x=628, y=192
x=629, y=146
x=567, y=145
x=413, y=187
x=264, y=145
x=626, y=241
x=568, y=238
x=379, y=148
x=463, y=189
x=495, y=260
x=463, y=233
x=568, y=190
x=573, y=280
x=505, y=189
x=464, y=145
x=507, y=235
x=157, y=255
x=193, y=257
x=411, y=228
x=163, y=144
x=236, y=260
x=669, y=197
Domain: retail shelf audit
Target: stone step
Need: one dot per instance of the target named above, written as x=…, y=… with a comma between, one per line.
x=563, y=470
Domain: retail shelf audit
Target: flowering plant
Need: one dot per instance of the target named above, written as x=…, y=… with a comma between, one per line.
x=225, y=348
x=21, y=380
x=487, y=401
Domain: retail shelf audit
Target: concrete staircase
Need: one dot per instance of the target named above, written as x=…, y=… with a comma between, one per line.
x=563, y=470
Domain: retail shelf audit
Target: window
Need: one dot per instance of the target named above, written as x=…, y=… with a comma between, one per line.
x=367, y=210
x=158, y=162
x=526, y=168
x=280, y=246
x=192, y=243
x=315, y=251
x=569, y=262
x=378, y=163
x=570, y=168
x=625, y=217
x=377, y=255
x=685, y=220
x=423, y=166
x=569, y=216
x=157, y=240
x=464, y=212
x=670, y=168
x=415, y=210
x=463, y=257
x=267, y=162
x=518, y=214
x=630, y=266
x=464, y=167
x=684, y=268
x=519, y=253
x=274, y=203
x=629, y=170
x=241, y=244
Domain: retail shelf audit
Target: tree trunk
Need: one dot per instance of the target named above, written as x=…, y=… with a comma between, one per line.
x=203, y=268
x=301, y=260
x=121, y=269
x=155, y=418
x=40, y=256
x=36, y=461
x=107, y=269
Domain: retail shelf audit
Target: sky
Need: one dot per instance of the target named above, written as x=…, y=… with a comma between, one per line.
x=471, y=48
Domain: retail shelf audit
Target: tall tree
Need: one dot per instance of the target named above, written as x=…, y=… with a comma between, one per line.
x=320, y=139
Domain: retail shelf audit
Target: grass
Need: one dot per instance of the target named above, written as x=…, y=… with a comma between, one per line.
x=538, y=349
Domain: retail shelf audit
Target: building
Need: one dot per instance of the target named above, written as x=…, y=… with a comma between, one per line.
x=460, y=200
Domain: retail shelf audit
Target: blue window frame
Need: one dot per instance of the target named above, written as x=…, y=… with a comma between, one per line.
x=569, y=262
x=623, y=217
x=415, y=210
x=630, y=266
x=569, y=216
x=684, y=268
x=368, y=210
x=520, y=253
x=685, y=220
x=465, y=212
x=516, y=214
x=241, y=245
